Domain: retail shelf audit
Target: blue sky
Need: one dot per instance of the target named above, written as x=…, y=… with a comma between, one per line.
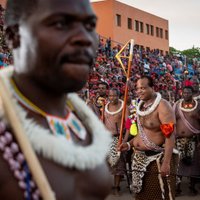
x=183, y=16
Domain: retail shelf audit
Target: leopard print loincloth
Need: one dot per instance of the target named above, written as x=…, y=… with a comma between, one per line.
x=139, y=165
x=186, y=147
x=113, y=154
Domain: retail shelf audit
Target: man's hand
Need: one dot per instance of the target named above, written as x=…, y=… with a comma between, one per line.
x=165, y=169
x=123, y=147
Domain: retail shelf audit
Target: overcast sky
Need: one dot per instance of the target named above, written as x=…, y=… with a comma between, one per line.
x=183, y=16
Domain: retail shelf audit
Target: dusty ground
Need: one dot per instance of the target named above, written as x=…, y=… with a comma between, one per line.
x=186, y=195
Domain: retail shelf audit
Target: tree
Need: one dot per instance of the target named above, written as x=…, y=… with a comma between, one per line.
x=192, y=53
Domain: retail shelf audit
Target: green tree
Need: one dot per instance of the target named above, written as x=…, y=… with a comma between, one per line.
x=191, y=53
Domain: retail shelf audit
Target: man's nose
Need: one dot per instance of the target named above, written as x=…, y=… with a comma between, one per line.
x=82, y=36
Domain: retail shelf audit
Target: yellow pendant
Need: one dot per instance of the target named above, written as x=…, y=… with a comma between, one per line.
x=133, y=129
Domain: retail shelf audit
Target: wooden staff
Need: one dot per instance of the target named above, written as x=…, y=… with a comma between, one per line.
x=128, y=73
x=29, y=154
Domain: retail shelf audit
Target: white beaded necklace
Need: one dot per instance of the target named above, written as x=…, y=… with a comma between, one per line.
x=55, y=148
x=114, y=112
x=188, y=109
x=151, y=108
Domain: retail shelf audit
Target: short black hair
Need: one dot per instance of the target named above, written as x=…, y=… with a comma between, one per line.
x=103, y=83
x=189, y=87
x=150, y=80
x=18, y=9
x=116, y=90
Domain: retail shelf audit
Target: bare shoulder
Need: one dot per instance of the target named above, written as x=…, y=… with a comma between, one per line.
x=164, y=105
x=165, y=112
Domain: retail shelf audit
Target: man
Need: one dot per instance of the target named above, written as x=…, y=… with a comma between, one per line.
x=113, y=117
x=187, y=137
x=101, y=99
x=54, y=43
x=153, y=165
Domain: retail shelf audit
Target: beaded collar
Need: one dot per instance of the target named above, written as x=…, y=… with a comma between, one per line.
x=151, y=108
x=114, y=112
x=62, y=127
x=56, y=148
x=188, y=109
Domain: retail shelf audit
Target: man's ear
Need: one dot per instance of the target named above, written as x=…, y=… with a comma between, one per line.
x=12, y=36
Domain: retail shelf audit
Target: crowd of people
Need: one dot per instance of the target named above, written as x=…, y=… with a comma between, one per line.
x=170, y=72
x=75, y=146
x=5, y=53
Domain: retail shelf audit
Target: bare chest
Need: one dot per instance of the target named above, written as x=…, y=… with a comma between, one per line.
x=66, y=183
x=150, y=121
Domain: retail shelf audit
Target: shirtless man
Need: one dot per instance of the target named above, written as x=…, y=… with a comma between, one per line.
x=54, y=43
x=187, y=137
x=113, y=116
x=153, y=146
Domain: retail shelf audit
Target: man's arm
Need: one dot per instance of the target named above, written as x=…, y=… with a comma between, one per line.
x=167, y=116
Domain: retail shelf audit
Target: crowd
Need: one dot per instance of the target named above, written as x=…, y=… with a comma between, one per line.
x=5, y=54
x=170, y=72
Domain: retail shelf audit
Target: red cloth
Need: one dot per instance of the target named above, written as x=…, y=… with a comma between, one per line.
x=167, y=129
x=188, y=83
x=128, y=124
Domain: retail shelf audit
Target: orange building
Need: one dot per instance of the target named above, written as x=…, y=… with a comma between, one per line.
x=122, y=22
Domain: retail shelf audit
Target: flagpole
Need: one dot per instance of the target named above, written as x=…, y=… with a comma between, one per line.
x=128, y=73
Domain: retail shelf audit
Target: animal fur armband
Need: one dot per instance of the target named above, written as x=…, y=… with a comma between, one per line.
x=167, y=129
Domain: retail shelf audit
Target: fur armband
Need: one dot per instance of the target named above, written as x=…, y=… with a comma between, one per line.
x=167, y=129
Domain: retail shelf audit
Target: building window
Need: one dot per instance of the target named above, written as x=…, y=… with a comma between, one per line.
x=136, y=25
x=118, y=20
x=152, y=30
x=129, y=23
x=166, y=34
x=147, y=29
x=141, y=27
x=161, y=33
x=157, y=32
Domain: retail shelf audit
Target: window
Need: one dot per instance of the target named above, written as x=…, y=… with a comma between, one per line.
x=136, y=25
x=161, y=32
x=157, y=32
x=118, y=20
x=166, y=34
x=129, y=22
x=147, y=29
x=152, y=30
x=141, y=27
